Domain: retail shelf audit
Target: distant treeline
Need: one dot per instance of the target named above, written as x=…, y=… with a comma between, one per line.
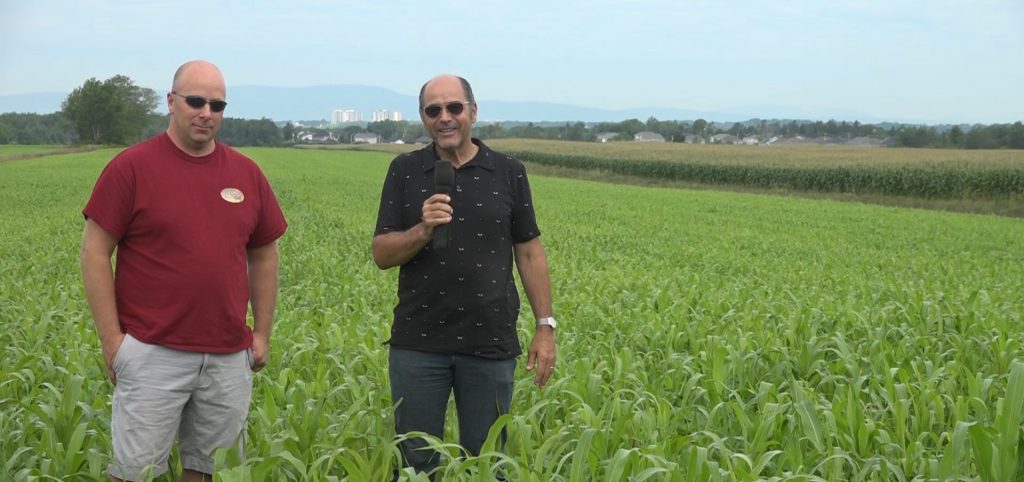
x=23, y=128
x=56, y=129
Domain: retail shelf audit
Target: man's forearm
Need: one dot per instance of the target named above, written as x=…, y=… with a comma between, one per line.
x=263, y=284
x=398, y=247
x=98, y=278
x=532, y=263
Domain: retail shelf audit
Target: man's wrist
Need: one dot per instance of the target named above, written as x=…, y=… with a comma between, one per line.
x=548, y=321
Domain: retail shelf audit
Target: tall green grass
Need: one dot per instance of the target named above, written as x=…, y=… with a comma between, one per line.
x=703, y=336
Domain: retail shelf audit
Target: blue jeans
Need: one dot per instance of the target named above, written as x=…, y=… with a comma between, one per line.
x=421, y=383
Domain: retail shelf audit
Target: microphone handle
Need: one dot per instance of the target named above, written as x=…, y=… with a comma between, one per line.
x=441, y=237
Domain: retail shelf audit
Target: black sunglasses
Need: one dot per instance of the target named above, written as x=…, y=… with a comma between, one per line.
x=453, y=108
x=197, y=102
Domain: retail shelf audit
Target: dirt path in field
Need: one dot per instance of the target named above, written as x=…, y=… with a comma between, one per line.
x=64, y=150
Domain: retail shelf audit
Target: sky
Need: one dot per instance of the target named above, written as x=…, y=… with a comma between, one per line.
x=932, y=61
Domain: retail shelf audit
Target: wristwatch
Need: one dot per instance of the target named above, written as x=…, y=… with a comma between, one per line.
x=549, y=321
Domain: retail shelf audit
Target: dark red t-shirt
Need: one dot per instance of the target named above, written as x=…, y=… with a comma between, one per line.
x=183, y=226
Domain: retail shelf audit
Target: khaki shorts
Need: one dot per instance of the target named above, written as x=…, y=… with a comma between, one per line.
x=201, y=397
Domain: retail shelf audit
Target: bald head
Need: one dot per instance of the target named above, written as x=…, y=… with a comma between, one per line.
x=197, y=71
x=466, y=89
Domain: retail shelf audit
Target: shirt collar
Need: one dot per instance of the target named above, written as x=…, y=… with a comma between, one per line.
x=484, y=157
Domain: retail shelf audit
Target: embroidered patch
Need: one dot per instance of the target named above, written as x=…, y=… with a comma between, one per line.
x=232, y=195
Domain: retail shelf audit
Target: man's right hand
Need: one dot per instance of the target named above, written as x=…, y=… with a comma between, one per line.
x=110, y=348
x=437, y=210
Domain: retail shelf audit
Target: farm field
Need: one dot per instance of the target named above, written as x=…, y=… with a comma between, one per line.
x=979, y=181
x=922, y=173
x=14, y=150
x=703, y=336
x=798, y=155
x=10, y=152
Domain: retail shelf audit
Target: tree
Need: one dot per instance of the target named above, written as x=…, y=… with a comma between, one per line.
x=956, y=136
x=115, y=111
x=1015, y=136
x=629, y=127
x=249, y=132
x=388, y=130
x=495, y=130
x=574, y=132
x=700, y=128
x=29, y=128
x=288, y=132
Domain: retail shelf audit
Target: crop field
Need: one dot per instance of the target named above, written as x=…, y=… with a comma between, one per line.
x=704, y=336
x=793, y=155
x=12, y=151
x=922, y=173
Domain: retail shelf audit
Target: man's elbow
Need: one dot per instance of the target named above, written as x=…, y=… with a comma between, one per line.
x=378, y=256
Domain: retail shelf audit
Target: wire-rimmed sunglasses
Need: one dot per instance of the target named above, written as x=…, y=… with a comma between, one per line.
x=197, y=102
x=453, y=108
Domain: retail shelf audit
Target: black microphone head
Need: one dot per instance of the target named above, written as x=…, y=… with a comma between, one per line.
x=444, y=177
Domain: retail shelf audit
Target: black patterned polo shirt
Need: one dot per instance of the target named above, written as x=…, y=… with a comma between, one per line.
x=463, y=298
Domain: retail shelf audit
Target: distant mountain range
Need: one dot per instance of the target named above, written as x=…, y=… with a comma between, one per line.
x=317, y=103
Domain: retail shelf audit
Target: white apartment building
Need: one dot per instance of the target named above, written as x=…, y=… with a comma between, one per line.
x=342, y=116
x=384, y=114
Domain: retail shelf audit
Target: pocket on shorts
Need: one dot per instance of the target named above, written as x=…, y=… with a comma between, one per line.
x=250, y=358
x=122, y=352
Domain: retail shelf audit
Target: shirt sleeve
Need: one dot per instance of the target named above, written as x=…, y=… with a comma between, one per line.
x=389, y=214
x=272, y=224
x=524, y=219
x=113, y=198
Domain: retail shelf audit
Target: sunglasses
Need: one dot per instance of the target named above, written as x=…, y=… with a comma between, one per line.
x=453, y=108
x=197, y=102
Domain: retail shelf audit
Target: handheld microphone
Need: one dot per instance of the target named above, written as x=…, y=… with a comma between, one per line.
x=444, y=182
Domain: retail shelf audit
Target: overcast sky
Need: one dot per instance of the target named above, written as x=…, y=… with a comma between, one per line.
x=936, y=60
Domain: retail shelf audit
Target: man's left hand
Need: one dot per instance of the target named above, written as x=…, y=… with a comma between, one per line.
x=260, y=352
x=541, y=357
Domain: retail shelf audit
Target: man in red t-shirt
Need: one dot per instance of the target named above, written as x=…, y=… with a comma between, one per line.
x=195, y=225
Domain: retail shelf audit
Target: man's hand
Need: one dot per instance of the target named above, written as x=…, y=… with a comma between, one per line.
x=260, y=352
x=541, y=356
x=110, y=348
x=437, y=210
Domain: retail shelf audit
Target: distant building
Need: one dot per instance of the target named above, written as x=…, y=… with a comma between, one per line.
x=384, y=114
x=342, y=116
x=648, y=136
x=607, y=136
x=724, y=139
x=310, y=137
x=365, y=138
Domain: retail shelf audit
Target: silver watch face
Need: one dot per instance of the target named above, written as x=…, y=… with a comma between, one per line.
x=548, y=321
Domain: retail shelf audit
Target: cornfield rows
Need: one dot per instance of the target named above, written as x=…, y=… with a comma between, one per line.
x=923, y=173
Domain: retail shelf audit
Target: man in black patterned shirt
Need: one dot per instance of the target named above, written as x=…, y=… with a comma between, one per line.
x=454, y=327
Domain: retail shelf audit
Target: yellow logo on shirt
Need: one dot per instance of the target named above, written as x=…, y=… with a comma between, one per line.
x=232, y=195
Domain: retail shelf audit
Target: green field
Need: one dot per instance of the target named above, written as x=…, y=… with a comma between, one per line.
x=918, y=173
x=19, y=151
x=703, y=336
x=957, y=180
